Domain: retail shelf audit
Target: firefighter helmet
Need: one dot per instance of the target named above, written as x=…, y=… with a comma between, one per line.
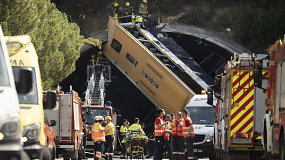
x=108, y=118
x=144, y=1
x=116, y=4
x=128, y=4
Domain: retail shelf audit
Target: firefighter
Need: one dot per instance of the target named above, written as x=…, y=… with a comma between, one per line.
x=188, y=134
x=110, y=131
x=143, y=10
x=98, y=137
x=135, y=128
x=158, y=135
x=177, y=139
x=123, y=131
x=167, y=130
x=128, y=9
x=85, y=132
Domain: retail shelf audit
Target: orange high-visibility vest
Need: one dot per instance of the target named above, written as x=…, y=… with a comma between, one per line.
x=185, y=129
x=98, y=133
x=166, y=131
x=158, y=131
x=177, y=128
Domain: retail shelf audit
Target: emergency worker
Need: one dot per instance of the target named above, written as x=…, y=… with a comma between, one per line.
x=143, y=9
x=167, y=131
x=110, y=131
x=159, y=135
x=135, y=128
x=123, y=131
x=128, y=9
x=188, y=134
x=98, y=137
x=177, y=139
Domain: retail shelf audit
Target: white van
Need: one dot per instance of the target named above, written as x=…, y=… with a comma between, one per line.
x=203, y=118
x=10, y=131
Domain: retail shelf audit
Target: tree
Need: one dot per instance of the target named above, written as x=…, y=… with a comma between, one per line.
x=57, y=41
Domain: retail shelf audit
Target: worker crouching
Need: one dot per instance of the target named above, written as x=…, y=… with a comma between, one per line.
x=110, y=131
x=98, y=137
x=177, y=139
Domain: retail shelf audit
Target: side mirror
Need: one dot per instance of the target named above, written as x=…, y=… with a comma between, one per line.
x=52, y=122
x=25, y=83
x=210, y=98
x=257, y=76
x=217, y=86
x=50, y=102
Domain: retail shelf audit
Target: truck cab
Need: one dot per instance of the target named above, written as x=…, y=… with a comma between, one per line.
x=203, y=118
x=89, y=112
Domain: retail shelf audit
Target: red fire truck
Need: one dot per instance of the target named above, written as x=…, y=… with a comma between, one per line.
x=274, y=121
x=89, y=112
x=69, y=127
x=240, y=109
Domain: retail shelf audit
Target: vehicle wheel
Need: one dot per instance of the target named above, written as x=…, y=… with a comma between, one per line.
x=75, y=155
x=213, y=157
x=53, y=152
x=46, y=154
x=80, y=153
x=282, y=147
x=24, y=156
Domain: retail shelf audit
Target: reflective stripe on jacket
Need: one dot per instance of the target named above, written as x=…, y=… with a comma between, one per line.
x=177, y=128
x=166, y=131
x=185, y=129
x=98, y=133
x=158, y=131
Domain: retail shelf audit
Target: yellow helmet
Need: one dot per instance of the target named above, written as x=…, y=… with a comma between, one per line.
x=144, y=1
x=116, y=4
x=128, y=4
x=108, y=118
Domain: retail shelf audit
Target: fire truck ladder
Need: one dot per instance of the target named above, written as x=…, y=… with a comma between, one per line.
x=100, y=74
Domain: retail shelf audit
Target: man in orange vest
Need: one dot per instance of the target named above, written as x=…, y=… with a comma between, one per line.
x=167, y=130
x=188, y=134
x=98, y=136
x=158, y=135
x=177, y=139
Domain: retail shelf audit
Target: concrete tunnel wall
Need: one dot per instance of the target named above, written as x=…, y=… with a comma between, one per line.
x=125, y=96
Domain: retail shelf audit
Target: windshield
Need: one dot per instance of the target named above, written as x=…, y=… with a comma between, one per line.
x=89, y=116
x=202, y=115
x=32, y=97
x=4, y=81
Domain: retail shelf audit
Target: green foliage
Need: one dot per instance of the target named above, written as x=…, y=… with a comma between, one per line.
x=260, y=24
x=57, y=41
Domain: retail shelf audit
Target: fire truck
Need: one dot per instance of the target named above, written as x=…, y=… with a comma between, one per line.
x=69, y=127
x=240, y=108
x=98, y=75
x=274, y=120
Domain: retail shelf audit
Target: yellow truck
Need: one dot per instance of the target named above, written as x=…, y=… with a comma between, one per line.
x=23, y=56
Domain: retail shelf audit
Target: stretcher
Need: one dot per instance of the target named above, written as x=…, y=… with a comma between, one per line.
x=135, y=144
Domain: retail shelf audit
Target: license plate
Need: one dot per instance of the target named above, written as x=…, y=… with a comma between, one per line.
x=90, y=143
x=241, y=140
x=197, y=150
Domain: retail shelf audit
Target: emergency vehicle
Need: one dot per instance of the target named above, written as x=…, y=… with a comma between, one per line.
x=69, y=127
x=274, y=120
x=240, y=109
x=203, y=117
x=23, y=56
x=50, y=136
x=10, y=131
